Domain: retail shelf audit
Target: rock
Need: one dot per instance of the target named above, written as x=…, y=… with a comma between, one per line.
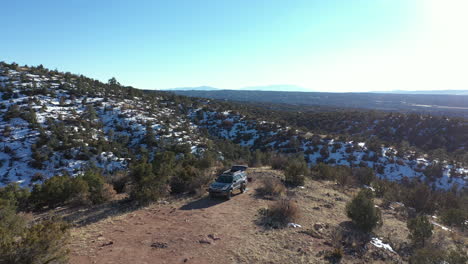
x=204, y=241
x=214, y=237
x=159, y=245
x=101, y=238
x=318, y=226
x=107, y=244
x=326, y=243
x=312, y=233
x=316, y=208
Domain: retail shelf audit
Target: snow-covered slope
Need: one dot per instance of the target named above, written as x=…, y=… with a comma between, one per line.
x=47, y=128
x=386, y=161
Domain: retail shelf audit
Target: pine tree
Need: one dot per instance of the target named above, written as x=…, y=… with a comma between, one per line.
x=420, y=230
x=363, y=212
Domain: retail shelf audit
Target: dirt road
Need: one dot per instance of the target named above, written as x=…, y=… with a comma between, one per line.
x=203, y=230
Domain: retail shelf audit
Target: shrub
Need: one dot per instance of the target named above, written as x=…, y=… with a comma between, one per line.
x=454, y=217
x=420, y=198
x=55, y=190
x=279, y=162
x=147, y=186
x=119, y=180
x=343, y=176
x=334, y=256
x=271, y=186
x=456, y=257
x=295, y=172
x=188, y=179
x=362, y=211
x=427, y=255
x=420, y=230
x=85, y=189
x=15, y=195
x=281, y=213
x=99, y=190
x=21, y=242
x=364, y=175
x=324, y=172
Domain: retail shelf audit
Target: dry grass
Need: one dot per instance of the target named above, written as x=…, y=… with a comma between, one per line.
x=272, y=187
x=280, y=213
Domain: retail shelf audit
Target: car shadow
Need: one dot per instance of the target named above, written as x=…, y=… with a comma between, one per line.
x=89, y=215
x=206, y=202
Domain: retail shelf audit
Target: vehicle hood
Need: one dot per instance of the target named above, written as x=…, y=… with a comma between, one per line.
x=220, y=185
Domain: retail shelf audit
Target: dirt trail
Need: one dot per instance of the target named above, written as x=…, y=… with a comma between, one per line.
x=203, y=230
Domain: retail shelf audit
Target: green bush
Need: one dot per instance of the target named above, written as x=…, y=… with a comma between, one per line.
x=421, y=198
x=147, y=186
x=55, y=191
x=362, y=211
x=324, y=172
x=420, y=230
x=454, y=217
x=279, y=162
x=364, y=175
x=99, y=191
x=427, y=255
x=89, y=188
x=16, y=195
x=25, y=243
x=188, y=179
x=296, y=171
x=456, y=257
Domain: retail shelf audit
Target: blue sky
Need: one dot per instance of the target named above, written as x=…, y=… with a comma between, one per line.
x=324, y=45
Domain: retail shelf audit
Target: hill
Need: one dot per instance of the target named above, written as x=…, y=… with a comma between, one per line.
x=59, y=123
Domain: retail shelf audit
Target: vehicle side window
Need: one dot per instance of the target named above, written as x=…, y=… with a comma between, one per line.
x=236, y=178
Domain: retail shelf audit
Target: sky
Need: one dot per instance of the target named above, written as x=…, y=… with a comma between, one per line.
x=322, y=45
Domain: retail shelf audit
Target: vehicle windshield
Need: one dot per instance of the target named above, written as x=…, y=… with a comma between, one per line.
x=224, y=179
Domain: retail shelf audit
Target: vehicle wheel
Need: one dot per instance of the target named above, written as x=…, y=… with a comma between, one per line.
x=228, y=195
x=242, y=188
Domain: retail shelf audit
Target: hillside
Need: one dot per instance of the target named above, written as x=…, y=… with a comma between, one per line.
x=55, y=123
x=114, y=174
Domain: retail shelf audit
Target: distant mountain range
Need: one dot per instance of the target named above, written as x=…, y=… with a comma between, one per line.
x=198, y=88
x=295, y=88
x=448, y=92
x=276, y=88
x=272, y=88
